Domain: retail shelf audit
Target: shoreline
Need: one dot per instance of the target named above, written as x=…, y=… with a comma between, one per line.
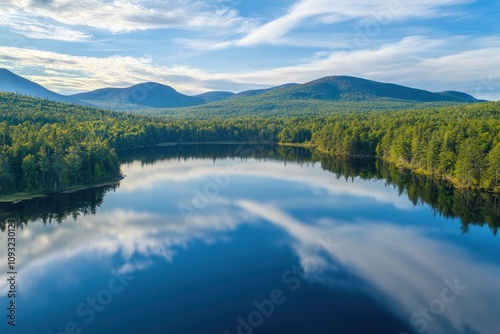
x=256, y=142
x=23, y=196
x=413, y=169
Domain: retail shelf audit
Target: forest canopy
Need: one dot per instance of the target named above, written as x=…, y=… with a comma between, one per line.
x=48, y=146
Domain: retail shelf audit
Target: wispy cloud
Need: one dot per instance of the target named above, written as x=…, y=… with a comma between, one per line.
x=415, y=61
x=400, y=270
x=32, y=27
x=326, y=12
x=196, y=46
x=88, y=73
x=118, y=16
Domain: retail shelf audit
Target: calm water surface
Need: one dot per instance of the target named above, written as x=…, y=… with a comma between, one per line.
x=257, y=242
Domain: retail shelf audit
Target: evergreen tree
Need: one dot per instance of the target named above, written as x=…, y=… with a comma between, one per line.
x=469, y=163
x=492, y=175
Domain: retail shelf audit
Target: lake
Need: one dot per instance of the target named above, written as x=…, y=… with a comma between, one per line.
x=232, y=239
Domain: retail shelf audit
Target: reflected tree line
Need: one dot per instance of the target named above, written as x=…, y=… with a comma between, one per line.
x=150, y=155
x=48, y=147
x=56, y=208
x=469, y=206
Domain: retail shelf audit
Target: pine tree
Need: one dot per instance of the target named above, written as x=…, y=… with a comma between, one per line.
x=492, y=175
x=469, y=164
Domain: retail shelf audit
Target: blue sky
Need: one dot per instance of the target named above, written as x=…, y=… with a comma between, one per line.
x=196, y=46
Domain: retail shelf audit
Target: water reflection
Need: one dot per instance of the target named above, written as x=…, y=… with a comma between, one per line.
x=55, y=208
x=470, y=207
x=404, y=266
x=207, y=237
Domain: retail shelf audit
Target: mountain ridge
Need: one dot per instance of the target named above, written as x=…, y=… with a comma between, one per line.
x=254, y=92
x=151, y=95
x=147, y=94
x=358, y=89
x=214, y=96
x=13, y=83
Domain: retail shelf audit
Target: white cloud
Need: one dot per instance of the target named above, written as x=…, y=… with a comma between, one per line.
x=395, y=263
x=32, y=27
x=126, y=233
x=415, y=61
x=326, y=12
x=391, y=260
x=118, y=16
x=317, y=178
x=94, y=72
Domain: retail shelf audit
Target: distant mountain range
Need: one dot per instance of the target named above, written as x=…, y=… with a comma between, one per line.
x=12, y=83
x=149, y=94
x=214, y=96
x=255, y=92
x=357, y=89
x=342, y=89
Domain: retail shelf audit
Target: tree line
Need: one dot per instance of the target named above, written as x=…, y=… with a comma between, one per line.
x=459, y=143
x=471, y=207
x=47, y=146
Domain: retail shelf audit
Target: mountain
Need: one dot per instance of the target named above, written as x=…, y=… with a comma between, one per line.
x=325, y=96
x=461, y=96
x=148, y=94
x=214, y=96
x=254, y=92
x=12, y=83
x=347, y=88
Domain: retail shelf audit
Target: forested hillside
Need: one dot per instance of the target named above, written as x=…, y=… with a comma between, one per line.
x=460, y=143
x=12, y=83
x=48, y=146
x=272, y=105
x=471, y=207
x=148, y=94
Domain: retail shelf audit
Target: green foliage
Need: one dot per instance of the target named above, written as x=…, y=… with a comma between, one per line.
x=492, y=177
x=459, y=143
x=47, y=146
x=269, y=105
x=471, y=207
x=325, y=96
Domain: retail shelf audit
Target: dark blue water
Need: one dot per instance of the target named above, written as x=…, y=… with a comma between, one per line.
x=234, y=246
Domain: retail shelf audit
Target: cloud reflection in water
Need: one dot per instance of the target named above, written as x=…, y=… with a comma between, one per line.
x=401, y=264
